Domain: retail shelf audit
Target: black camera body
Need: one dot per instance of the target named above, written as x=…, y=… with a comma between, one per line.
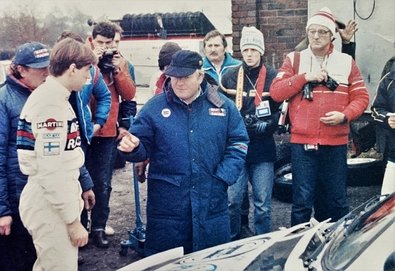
x=309, y=87
x=331, y=83
x=250, y=120
x=257, y=126
x=105, y=62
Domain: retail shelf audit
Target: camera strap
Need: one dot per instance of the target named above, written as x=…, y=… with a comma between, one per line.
x=239, y=88
x=296, y=62
x=260, y=85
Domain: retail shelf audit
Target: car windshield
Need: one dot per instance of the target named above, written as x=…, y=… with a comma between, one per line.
x=355, y=237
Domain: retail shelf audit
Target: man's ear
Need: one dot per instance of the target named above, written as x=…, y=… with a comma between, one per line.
x=72, y=68
x=89, y=42
x=21, y=69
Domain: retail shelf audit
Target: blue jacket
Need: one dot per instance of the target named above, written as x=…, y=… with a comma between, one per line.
x=196, y=151
x=80, y=102
x=13, y=96
x=229, y=62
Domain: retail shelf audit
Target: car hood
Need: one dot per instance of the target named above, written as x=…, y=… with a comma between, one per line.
x=351, y=243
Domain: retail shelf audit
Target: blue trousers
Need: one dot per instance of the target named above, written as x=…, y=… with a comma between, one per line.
x=261, y=177
x=99, y=162
x=319, y=181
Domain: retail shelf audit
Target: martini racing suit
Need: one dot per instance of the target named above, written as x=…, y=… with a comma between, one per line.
x=49, y=152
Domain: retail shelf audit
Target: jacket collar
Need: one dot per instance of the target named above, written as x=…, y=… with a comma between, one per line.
x=208, y=90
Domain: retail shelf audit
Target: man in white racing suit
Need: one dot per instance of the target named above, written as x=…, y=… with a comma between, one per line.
x=49, y=152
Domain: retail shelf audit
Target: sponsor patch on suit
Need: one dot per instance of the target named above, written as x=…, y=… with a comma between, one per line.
x=220, y=112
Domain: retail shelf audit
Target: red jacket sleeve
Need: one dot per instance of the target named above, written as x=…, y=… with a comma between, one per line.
x=286, y=84
x=124, y=83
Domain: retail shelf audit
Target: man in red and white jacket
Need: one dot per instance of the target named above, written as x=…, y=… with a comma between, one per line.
x=326, y=91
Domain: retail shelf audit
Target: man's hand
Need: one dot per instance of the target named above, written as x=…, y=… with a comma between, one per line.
x=140, y=170
x=5, y=225
x=391, y=123
x=348, y=32
x=333, y=118
x=128, y=143
x=96, y=128
x=78, y=234
x=122, y=132
x=89, y=199
x=116, y=61
x=99, y=51
x=316, y=77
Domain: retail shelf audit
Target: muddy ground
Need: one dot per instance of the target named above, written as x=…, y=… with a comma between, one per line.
x=122, y=219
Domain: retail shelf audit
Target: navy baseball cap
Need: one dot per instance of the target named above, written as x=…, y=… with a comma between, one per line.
x=32, y=54
x=184, y=63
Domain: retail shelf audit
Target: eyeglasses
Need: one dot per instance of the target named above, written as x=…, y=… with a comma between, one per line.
x=321, y=32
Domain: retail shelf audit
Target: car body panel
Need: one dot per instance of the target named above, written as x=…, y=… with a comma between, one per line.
x=361, y=240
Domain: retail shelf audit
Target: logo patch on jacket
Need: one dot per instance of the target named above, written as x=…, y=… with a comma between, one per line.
x=166, y=112
x=220, y=112
x=51, y=135
x=73, y=135
x=51, y=148
x=50, y=124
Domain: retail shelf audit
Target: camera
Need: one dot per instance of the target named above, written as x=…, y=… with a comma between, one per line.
x=250, y=120
x=256, y=126
x=105, y=62
x=331, y=83
x=309, y=87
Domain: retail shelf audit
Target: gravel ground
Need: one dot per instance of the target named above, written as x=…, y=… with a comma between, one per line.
x=122, y=219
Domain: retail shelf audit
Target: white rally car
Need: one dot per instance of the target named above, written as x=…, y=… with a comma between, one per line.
x=362, y=240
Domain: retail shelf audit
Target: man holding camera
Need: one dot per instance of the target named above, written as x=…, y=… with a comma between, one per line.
x=248, y=85
x=326, y=91
x=99, y=159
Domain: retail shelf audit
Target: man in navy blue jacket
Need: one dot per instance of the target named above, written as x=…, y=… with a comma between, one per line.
x=28, y=70
x=196, y=141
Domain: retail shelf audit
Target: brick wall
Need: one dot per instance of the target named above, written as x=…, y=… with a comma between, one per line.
x=282, y=23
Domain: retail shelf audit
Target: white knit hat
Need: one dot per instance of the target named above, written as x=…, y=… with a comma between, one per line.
x=252, y=38
x=325, y=18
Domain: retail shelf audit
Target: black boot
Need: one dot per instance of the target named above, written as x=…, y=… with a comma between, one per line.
x=99, y=239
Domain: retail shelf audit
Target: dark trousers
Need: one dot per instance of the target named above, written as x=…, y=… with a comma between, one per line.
x=99, y=162
x=17, y=252
x=319, y=181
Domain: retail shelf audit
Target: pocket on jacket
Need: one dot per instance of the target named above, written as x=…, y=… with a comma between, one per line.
x=174, y=179
x=218, y=198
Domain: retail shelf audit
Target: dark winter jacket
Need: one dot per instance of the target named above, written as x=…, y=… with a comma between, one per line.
x=196, y=151
x=262, y=145
x=13, y=96
x=384, y=103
